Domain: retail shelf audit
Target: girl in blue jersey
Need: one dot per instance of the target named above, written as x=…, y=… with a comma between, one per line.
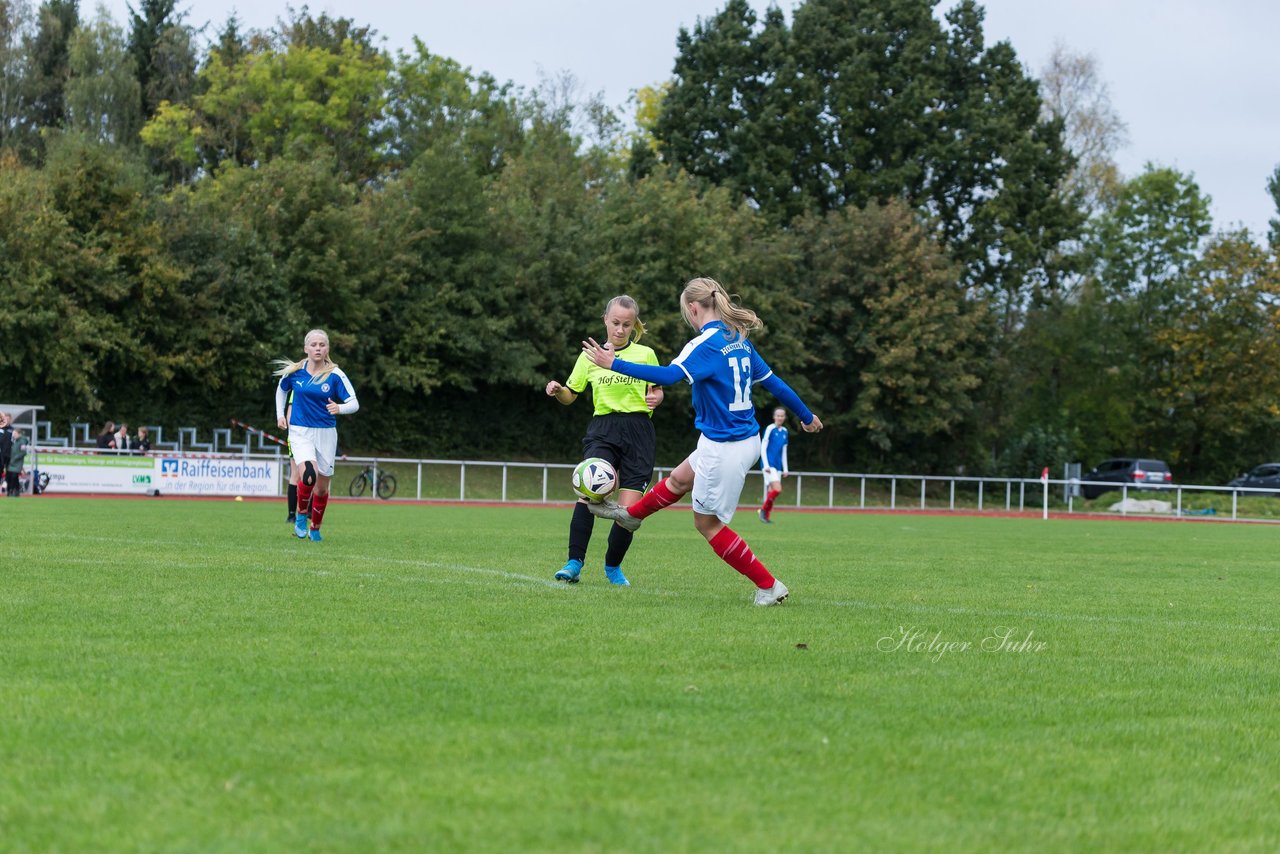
x=722, y=365
x=320, y=391
x=773, y=460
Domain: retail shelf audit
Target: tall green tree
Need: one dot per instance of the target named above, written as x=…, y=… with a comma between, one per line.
x=1219, y=393
x=15, y=25
x=102, y=97
x=164, y=54
x=300, y=103
x=433, y=102
x=1273, y=188
x=1142, y=246
x=79, y=252
x=1141, y=252
x=895, y=346
x=863, y=101
x=48, y=52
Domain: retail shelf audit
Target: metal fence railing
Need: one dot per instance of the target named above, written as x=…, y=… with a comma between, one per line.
x=544, y=482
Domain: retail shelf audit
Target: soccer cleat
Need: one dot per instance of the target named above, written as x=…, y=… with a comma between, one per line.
x=773, y=595
x=764, y=518
x=291, y=518
x=300, y=526
x=612, y=510
x=569, y=572
x=615, y=576
x=315, y=537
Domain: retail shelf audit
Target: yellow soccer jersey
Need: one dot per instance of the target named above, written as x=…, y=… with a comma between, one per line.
x=609, y=391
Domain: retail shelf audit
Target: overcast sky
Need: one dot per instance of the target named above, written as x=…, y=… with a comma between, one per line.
x=1197, y=82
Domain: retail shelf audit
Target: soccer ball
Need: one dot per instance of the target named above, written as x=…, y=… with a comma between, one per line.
x=594, y=479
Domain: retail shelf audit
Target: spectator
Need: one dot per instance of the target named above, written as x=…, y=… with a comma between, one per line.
x=17, y=456
x=142, y=444
x=6, y=440
x=107, y=438
x=124, y=444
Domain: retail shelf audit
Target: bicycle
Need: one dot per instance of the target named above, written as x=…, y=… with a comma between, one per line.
x=379, y=483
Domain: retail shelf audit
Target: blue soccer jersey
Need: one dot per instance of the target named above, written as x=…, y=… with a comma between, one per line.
x=722, y=368
x=773, y=448
x=311, y=396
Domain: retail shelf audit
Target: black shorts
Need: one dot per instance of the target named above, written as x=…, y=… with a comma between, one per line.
x=628, y=441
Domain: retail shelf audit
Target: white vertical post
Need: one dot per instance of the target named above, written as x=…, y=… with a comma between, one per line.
x=1045, y=481
x=953, y=494
x=419, y=480
x=862, y=495
x=893, y=493
x=462, y=482
x=980, y=496
x=923, y=481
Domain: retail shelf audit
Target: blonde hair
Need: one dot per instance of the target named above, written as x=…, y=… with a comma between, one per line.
x=284, y=367
x=710, y=294
x=626, y=302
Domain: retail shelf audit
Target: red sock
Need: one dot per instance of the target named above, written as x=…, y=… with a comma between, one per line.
x=654, y=500
x=318, y=503
x=768, y=501
x=734, y=551
x=304, y=498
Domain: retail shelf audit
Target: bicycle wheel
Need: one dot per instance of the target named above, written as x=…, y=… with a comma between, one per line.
x=386, y=486
x=358, y=484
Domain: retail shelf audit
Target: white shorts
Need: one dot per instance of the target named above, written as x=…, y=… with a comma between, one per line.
x=772, y=475
x=719, y=473
x=314, y=443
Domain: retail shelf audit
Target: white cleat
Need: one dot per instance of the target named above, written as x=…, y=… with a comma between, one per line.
x=772, y=596
x=612, y=510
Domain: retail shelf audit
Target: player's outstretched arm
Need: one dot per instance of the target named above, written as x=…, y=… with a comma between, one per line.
x=656, y=374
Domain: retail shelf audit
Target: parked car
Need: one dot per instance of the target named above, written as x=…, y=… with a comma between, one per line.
x=1265, y=476
x=1136, y=472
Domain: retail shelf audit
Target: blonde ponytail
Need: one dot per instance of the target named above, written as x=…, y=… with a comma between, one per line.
x=710, y=294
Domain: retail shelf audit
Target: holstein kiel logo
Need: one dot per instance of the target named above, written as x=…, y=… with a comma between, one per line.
x=168, y=468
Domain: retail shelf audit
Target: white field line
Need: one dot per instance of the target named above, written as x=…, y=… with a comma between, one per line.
x=530, y=580
x=515, y=577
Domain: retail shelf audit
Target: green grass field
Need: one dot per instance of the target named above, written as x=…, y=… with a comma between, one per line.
x=184, y=675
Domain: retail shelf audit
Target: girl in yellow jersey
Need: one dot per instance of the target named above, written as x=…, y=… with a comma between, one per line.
x=621, y=432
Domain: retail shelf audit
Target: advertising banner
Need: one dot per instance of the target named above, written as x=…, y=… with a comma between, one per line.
x=73, y=473
x=214, y=476
x=164, y=475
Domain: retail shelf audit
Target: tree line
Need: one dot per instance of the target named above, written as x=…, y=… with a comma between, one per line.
x=949, y=266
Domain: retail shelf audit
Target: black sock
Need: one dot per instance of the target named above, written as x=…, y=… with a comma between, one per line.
x=619, y=542
x=580, y=531
x=293, y=499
